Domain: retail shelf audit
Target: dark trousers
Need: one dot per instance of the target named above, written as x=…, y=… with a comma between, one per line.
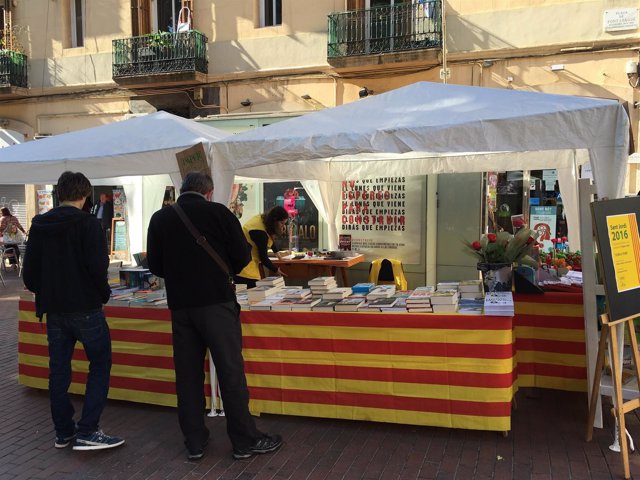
x=63, y=331
x=216, y=327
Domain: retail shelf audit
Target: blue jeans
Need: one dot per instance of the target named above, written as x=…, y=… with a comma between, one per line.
x=63, y=331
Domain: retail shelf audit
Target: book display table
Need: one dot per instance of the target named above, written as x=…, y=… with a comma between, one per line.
x=457, y=371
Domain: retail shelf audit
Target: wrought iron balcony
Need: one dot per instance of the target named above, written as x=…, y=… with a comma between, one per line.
x=160, y=53
x=385, y=29
x=13, y=69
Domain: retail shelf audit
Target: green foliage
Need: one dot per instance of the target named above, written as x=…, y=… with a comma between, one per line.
x=504, y=247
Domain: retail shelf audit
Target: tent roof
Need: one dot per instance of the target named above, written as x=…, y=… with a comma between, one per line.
x=431, y=120
x=143, y=145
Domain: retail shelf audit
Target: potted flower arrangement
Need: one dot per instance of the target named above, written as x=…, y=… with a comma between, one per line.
x=497, y=252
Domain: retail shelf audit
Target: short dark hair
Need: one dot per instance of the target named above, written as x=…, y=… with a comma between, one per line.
x=200, y=182
x=6, y=212
x=276, y=214
x=72, y=186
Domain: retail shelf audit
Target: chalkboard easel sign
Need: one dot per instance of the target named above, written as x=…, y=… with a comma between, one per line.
x=618, y=240
x=119, y=239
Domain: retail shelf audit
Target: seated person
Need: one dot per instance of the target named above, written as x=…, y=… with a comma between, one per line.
x=12, y=238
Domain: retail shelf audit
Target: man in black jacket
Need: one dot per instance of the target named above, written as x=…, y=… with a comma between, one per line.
x=65, y=265
x=205, y=314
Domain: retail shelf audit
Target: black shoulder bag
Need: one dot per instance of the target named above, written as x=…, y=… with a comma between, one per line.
x=202, y=241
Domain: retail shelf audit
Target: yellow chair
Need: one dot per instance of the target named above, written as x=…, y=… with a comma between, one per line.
x=387, y=271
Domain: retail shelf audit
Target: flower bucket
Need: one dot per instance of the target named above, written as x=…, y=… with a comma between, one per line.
x=496, y=277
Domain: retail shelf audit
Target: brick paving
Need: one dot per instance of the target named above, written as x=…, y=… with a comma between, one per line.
x=546, y=440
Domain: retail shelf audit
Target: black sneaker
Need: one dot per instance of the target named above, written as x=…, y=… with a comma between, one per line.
x=62, y=442
x=268, y=443
x=197, y=453
x=96, y=441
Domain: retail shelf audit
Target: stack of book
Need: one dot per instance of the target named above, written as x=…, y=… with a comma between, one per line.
x=241, y=287
x=362, y=288
x=257, y=294
x=321, y=285
x=350, y=304
x=325, y=306
x=305, y=304
x=381, y=291
x=420, y=300
x=243, y=300
x=296, y=293
x=378, y=304
x=275, y=281
x=471, y=306
x=444, y=301
x=499, y=303
x=470, y=289
x=265, y=304
x=337, y=293
x=447, y=286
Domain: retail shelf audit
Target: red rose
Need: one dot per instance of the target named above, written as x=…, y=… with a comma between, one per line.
x=476, y=245
x=530, y=240
x=564, y=239
x=491, y=237
x=554, y=240
x=558, y=240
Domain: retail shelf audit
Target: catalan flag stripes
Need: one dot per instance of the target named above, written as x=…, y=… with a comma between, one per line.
x=550, y=342
x=441, y=370
x=142, y=369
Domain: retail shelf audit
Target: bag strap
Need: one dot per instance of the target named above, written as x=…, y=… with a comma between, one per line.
x=202, y=241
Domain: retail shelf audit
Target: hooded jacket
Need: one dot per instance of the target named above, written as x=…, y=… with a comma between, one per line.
x=66, y=262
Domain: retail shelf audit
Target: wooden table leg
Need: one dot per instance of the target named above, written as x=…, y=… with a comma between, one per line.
x=345, y=279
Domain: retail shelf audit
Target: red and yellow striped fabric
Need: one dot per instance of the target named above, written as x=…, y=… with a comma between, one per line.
x=550, y=342
x=442, y=370
x=142, y=368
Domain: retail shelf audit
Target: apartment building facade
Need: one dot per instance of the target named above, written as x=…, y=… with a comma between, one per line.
x=237, y=64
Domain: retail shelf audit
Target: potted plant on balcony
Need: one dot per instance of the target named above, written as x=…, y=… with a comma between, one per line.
x=156, y=44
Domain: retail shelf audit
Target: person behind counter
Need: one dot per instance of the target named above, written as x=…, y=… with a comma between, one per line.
x=260, y=232
x=11, y=239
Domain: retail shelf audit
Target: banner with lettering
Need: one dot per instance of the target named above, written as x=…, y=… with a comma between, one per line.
x=384, y=217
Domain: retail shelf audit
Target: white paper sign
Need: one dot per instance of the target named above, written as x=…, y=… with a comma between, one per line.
x=383, y=216
x=620, y=19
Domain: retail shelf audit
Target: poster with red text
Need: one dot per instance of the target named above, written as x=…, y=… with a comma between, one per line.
x=45, y=201
x=384, y=216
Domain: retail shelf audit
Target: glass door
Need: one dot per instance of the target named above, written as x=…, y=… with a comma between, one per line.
x=385, y=21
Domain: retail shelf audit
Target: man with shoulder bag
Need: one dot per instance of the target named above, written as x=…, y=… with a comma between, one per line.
x=197, y=246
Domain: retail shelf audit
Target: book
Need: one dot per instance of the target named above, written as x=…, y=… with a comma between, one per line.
x=447, y=286
x=382, y=291
x=265, y=304
x=363, y=287
x=296, y=293
x=337, y=293
x=305, y=304
x=272, y=281
x=399, y=306
x=445, y=308
x=283, y=305
x=499, y=303
x=260, y=293
x=350, y=304
x=470, y=286
x=443, y=297
x=420, y=309
x=321, y=281
x=325, y=306
x=378, y=303
x=420, y=295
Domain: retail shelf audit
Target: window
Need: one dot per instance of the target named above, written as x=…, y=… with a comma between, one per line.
x=77, y=23
x=270, y=13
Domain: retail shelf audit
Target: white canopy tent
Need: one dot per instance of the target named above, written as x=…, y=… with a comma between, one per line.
x=428, y=128
x=138, y=153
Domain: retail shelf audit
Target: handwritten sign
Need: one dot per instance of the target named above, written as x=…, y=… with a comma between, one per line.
x=625, y=250
x=119, y=238
x=193, y=159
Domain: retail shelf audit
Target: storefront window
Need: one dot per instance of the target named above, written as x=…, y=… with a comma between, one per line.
x=530, y=195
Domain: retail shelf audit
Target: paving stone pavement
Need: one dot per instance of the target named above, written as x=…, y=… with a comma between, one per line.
x=546, y=440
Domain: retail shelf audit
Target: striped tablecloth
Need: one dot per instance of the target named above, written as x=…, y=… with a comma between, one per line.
x=440, y=370
x=550, y=342
x=142, y=368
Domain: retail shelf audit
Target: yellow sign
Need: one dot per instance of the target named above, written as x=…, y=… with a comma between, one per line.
x=625, y=250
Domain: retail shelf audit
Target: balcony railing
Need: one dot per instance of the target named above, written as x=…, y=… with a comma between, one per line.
x=159, y=53
x=13, y=69
x=385, y=29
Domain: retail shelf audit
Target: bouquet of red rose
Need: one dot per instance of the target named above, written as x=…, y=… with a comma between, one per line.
x=504, y=247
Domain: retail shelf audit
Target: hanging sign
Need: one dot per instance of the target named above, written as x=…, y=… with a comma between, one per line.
x=193, y=159
x=543, y=221
x=45, y=201
x=625, y=250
